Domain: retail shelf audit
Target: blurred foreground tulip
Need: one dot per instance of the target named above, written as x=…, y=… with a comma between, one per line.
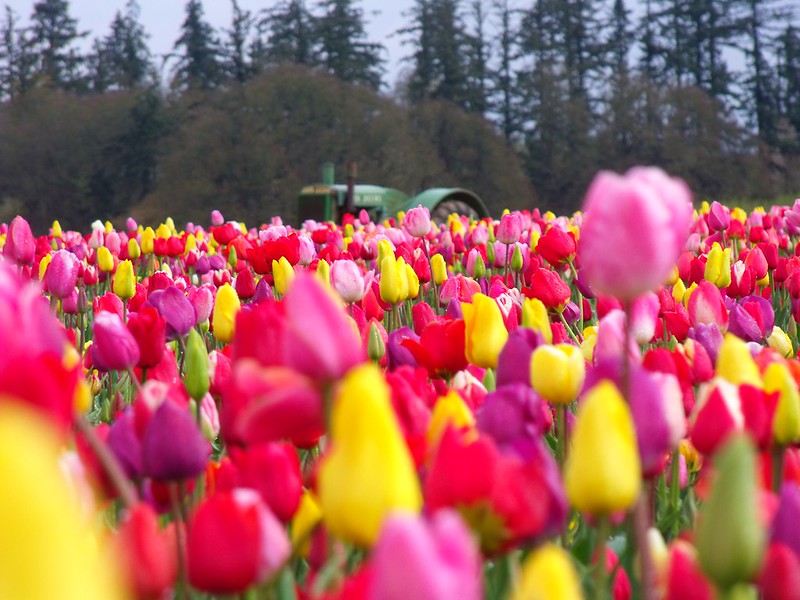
x=548, y=574
x=636, y=226
x=234, y=542
x=730, y=538
x=368, y=472
x=440, y=560
x=47, y=547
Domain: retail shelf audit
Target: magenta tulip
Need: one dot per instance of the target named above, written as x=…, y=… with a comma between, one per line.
x=20, y=245
x=114, y=347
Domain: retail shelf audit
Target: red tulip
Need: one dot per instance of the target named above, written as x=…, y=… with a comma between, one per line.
x=149, y=329
x=557, y=246
x=234, y=542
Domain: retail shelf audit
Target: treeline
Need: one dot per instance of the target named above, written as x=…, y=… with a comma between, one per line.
x=504, y=100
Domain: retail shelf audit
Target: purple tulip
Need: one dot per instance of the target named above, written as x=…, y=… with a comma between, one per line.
x=173, y=447
x=657, y=410
x=514, y=416
x=113, y=348
x=513, y=364
x=784, y=525
x=709, y=336
x=125, y=444
x=177, y=310
x=742, y=324
x=440, y=560
x=398, y=355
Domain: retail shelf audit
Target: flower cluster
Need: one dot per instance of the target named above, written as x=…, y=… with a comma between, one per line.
x=602, y=405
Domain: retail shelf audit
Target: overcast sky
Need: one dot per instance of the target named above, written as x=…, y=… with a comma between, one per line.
x=162, y=20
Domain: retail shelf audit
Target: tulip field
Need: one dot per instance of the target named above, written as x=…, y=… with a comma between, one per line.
x=603, y=405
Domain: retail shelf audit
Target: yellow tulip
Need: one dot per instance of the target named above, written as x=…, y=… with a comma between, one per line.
x=534, y=316
x=163, y=231
x=283, y=272
x=485, y=333
x=307, y=517
x=105, y=260
x=124, y=283
x=438, y=269
x=413, y=281
x=402, y=278
x=781, y=342
x=718, y=266
x=368, y=473
x=678, y=290
x=589, y=342
x=148, y=237
x=786, y=422
x=323, y=273
x=548, y=574
x=603, y=471
x=735, y=363
x=448, y=410
x=56, y=230
x=47, y=548
x=384, y=250
x=43, y=264
x=134, y=251
x=223, y=318
x=390, y=283
x=557, y=372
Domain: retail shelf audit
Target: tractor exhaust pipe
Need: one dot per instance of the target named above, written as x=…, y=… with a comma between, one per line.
x=352, y=173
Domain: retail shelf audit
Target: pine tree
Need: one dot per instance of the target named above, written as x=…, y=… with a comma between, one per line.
x=53, y=33
x=343, y=47
x=478, y=61
x=199, y=62
x=16, y=59
x=238, y=65
x=122, y=59
x=288, y=35
x=789, y=78
x=440, y=66
x=503, y=79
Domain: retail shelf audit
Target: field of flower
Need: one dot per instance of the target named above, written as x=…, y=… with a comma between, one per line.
x=602, y=406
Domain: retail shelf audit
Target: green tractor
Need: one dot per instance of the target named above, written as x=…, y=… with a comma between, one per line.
x=328, y=201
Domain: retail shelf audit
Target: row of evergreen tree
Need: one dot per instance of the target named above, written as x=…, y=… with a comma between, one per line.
x=573, y=85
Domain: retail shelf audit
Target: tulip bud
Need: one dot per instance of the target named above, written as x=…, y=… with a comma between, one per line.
x=196, y=366
x=548, y=573
x=557, y=372
x=730, y=538
x=376, y=348
x=779, y=340
x=124, y=284
x=786, y=422
x=20, y=245
x=603, y=472
x=323, y=272
x=516, y=259
x=223, y=319
x=105, y=260
x=439, y=269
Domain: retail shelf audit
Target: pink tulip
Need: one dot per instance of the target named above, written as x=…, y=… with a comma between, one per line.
x=417, y=222
x=644, y=316
x=438, y=560
x=319, y=340
x=348, y=280
x=62, y=274
x=509, y=229
x=20, y=244
x=636, y=226
x=707, y=307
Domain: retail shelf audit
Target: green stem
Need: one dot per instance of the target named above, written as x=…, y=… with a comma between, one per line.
x=674, y=482
x=561, y=416
x=568, y=328
x=600, y=574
